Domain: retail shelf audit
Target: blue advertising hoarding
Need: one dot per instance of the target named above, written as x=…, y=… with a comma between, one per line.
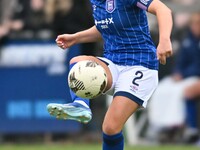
x=31, y=76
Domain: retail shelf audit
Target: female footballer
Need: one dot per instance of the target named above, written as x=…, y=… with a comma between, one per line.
x=130, y=60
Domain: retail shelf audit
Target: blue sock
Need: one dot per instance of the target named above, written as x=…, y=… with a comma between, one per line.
x=191, y=114
x=113, y=142
x=83, y=101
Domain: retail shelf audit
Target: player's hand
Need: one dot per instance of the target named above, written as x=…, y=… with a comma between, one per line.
x=164, y=50
x=66, y=40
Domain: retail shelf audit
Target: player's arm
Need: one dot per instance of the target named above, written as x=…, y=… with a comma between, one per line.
x=165, y=23
x=67, y=40
x=90, y=35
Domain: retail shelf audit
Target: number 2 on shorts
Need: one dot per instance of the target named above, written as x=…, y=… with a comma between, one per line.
x=139, y=75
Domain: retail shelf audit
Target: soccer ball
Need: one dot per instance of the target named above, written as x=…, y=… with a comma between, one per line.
x=87, y=79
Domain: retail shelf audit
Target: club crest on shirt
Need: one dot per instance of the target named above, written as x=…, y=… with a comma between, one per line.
x=110, y=6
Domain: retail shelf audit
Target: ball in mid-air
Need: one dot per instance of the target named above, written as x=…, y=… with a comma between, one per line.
x=87, y=79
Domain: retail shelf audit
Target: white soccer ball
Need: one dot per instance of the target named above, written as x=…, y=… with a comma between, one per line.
x=87, y=79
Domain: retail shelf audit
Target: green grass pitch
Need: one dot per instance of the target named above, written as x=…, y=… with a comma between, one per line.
x=88, y=147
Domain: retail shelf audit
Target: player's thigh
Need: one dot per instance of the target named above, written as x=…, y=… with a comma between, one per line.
x=103, y=64
x=137, y=83
x=119, y=111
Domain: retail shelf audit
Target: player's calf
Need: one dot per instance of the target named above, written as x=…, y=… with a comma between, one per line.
x=112, y=136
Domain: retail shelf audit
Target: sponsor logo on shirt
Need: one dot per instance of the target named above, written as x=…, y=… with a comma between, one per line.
x=104, y=23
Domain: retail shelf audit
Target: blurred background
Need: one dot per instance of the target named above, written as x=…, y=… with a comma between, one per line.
x=33, y=73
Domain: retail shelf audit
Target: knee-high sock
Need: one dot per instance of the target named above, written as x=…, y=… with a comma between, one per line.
x=83, y=101
x=113, y=142
x=191, y=113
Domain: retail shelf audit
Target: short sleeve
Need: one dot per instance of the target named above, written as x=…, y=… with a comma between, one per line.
x=143, y=4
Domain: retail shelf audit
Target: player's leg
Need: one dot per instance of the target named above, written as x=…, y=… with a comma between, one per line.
x=73, y=61
x=192, y=133
x=119, y=111
x=79, y=108
x=133, y=88
x=104, y=64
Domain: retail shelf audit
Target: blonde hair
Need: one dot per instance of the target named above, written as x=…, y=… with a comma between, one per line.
x=53, y=6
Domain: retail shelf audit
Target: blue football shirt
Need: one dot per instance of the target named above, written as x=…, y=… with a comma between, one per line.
x=124, y=28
